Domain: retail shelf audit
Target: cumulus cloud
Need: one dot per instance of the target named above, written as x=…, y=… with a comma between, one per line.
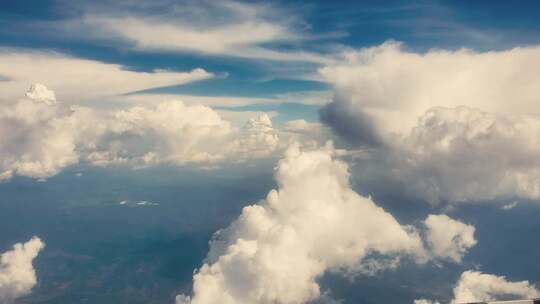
x=393, y=87
x=448, y=238
x=76, y=79
x=474, y=286
x=461, y=154
x=40, y=136
x=17, y=274
x=169, y=132
x=449, y=125
x=314, y=222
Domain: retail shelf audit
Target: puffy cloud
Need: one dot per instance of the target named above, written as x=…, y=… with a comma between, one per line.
x=390, y=88
x=170, y=132
x=461, y=154
x=76, y=79
x=17, y=274
x=40, y=92
x=40, y=136
x=449, y=125
x=313, y=222
x=448, y=238
x=474, y=286
x=258, y=138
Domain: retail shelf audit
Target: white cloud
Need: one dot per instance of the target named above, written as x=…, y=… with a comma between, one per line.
x=241, y=30
x=169, y=132
x=313, y=222
x=76, y=79
x=394, y=86
x=448, y=238
x=462, y=154
x=17, y=274
x=40, y=136
x=450, y=125
x=510, y=206
x=474, y=286
x=424, y=301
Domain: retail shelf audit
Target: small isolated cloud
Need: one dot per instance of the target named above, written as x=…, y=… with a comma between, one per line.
x=424, y=301
x=17, y=274
x=510, y=206
x=448, y=238
x=138, y=203
x=313, y=222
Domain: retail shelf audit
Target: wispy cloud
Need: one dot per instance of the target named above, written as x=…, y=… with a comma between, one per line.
x=80, y=79
x=241, y=30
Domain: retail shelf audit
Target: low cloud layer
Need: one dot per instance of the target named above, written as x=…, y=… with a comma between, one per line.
x=40, y=136
x=449, y=125
x=312, y=223
x=17, y=274
x=474, y=286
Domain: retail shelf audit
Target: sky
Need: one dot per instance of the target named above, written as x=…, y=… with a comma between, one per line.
x=200, y=152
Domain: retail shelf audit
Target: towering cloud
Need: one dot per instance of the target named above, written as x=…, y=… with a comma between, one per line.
x=451, y=125
x=314, y=222
x=17, y=274
x=392, y=87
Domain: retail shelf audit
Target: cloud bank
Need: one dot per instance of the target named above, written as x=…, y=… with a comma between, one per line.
x=40, y=136
x=314, y=222
x=450, y=125
x=17, y=274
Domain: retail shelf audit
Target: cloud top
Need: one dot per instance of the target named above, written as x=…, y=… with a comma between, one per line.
x=312, y=223
x=17, y=274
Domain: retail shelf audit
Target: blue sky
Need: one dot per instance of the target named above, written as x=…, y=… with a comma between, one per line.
x=324, y=28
